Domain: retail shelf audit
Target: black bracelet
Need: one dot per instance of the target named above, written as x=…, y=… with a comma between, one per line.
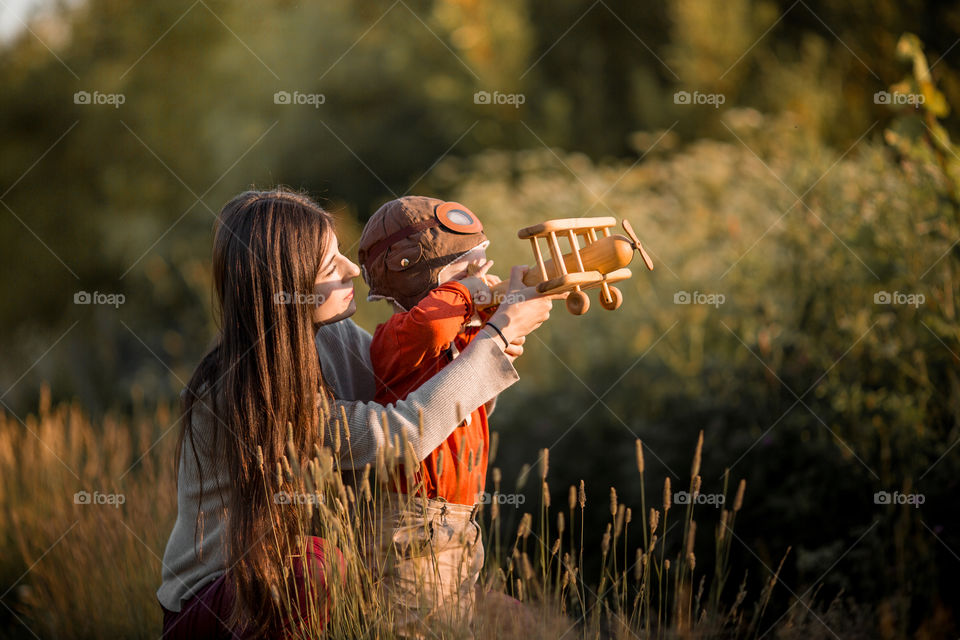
x=506, y=343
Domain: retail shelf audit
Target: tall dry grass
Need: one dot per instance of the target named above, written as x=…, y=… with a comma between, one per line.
x=72, y=569
x=533, y=581
x=89, y=569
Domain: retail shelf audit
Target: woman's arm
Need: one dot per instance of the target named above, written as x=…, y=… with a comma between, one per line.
x=475, y=377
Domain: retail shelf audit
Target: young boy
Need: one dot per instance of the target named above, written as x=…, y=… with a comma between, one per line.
x=427, y=257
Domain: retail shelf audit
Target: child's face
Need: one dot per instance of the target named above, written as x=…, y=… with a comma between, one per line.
x=458, y=270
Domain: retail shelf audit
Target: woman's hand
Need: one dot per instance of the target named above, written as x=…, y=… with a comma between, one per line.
x=522, y=311
x=515, y=349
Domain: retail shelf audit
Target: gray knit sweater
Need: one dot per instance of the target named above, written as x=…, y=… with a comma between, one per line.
x=475, y=377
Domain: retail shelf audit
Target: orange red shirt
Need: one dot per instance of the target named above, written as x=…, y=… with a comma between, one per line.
x=408, y=350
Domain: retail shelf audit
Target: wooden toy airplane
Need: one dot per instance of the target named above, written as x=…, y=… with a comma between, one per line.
x=599, y=263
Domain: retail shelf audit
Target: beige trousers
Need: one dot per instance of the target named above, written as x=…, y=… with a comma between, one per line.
x=429, y=553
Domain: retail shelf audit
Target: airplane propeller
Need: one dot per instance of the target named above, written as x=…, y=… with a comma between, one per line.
x=636, y=245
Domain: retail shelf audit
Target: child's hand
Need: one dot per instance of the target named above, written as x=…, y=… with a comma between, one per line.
x=480, y=270
x=492, y=280
x=479, y=283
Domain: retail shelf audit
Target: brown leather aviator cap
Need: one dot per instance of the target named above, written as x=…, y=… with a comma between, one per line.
x=408, y=241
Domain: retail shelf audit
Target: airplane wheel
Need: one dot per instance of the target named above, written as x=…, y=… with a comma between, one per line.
x=616, y=299
x=578, y=302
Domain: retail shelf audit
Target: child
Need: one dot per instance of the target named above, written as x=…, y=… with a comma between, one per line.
x=427, y=257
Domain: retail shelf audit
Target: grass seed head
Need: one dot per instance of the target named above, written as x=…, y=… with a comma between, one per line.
x=738, y=501
x=695, y=469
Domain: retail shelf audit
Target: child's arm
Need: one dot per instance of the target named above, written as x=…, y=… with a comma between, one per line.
x=435, y=321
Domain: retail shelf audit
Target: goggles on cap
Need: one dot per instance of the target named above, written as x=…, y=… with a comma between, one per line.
x=457, y=218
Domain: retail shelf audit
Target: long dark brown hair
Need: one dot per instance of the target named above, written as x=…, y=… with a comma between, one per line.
x=263, y=374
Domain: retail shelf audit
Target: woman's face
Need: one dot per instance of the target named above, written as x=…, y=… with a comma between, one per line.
x=334, y=286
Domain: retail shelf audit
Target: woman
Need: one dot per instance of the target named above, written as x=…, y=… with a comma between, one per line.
x=284, y=297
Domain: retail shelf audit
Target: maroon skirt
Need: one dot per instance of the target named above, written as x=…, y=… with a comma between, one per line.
x=205, y=614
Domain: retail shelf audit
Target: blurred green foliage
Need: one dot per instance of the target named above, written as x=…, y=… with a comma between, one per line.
x=799, y=200
x=804, y=384
x=122, y=199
